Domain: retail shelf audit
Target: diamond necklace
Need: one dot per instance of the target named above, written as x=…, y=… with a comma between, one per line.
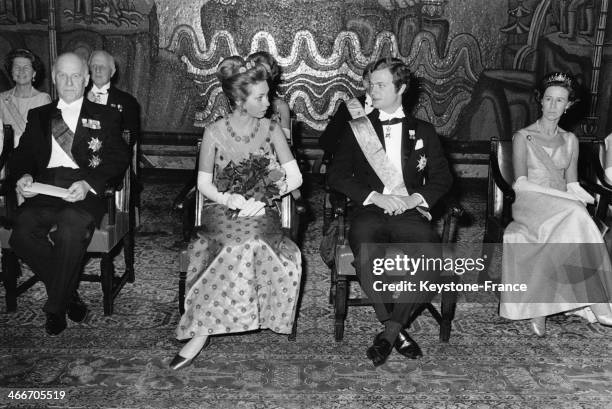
x=245, y=138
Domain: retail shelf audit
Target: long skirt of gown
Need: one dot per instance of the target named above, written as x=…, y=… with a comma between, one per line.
x=559, y=277
x=243, y=275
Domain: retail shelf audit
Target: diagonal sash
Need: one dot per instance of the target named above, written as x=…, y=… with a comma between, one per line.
x=18, y=122
x=62, y=133
x=355, y=108
x=376, y=156
x=558, y=181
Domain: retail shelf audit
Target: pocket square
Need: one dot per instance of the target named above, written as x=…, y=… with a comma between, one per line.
x=418, y=145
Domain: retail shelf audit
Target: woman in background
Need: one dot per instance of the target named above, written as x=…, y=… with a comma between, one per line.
x=552, y=245
x=243, y=273
x=26, y=71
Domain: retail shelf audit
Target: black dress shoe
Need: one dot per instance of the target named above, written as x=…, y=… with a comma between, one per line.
x=380, y=350
x=407, y=346
x=55, y=323
x=76, y=309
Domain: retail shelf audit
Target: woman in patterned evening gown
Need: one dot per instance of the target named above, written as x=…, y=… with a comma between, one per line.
x=574, y=273
x=26, y=71
x=243, y=273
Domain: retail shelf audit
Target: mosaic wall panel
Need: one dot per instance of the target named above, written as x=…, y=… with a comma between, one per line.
x=323, y=64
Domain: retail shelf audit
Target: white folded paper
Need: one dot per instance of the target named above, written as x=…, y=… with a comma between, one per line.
x=49, y=190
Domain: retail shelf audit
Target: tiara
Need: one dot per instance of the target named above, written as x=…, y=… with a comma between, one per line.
x=247, y=66
x=559, y=77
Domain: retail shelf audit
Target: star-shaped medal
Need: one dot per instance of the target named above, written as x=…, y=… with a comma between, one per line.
x=95, y=144
x=422, y=163
x=95, y=161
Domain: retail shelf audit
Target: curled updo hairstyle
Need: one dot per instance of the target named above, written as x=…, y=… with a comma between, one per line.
x=399, y=70
x=237, y=75
x=37, y=64
x=557, y=79
x=266, y=59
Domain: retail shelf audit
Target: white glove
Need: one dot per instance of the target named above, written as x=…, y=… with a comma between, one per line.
x=236, y=201
x=609, y=174
x=580, y=193
x=293, y=176
x=251, y=208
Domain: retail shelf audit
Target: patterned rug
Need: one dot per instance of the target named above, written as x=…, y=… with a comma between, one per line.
x=121, y=361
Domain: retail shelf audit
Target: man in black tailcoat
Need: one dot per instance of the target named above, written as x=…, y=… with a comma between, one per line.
x=413, y=165
x=75, y=144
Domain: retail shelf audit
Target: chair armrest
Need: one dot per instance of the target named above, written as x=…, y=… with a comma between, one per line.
x=605, y=198
x=599, y=171
x=109, y=194
x=500, y=182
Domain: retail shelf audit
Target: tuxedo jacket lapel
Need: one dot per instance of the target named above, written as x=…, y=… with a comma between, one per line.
x=45, y=121
x=112, y=96
x=377, y=126
x=407, y=143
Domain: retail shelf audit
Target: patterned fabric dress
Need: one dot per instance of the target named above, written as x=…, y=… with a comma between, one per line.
x=552, y=245
x=243, y=273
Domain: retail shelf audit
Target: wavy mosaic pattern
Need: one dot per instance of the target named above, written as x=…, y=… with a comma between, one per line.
x=313, y=83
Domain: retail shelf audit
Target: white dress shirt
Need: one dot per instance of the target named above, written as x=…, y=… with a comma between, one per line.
x=99, y=95
x=393, y=147
x=70, y=114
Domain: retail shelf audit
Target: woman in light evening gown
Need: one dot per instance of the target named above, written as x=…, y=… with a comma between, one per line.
x=243, y=273
x=553, y=245
x=26, y=71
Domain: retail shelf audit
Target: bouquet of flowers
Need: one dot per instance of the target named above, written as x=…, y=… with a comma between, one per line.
x=259, y=176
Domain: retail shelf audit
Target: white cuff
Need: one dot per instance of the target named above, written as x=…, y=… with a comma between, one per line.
x=293, y=176
x=423, y=201
x=206, y=187
x=367, y=201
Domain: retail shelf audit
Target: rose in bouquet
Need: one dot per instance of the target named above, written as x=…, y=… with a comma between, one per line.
x=259, y=176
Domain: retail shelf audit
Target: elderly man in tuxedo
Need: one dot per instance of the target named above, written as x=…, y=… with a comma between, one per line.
x=75, y=144
x=102, y=69
x=391, y=165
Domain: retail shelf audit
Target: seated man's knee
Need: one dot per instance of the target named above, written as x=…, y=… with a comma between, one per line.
x=74, y=224
x=24, y=227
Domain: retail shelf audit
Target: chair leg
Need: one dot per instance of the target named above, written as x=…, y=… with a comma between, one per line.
x=128, y=256
x=448, y=304
x=340, y=307
x=107, y=270
x=181, y=294
x=10, y=271
x=333, y=284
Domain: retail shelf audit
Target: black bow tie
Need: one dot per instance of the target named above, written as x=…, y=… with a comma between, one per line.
x=392, y=121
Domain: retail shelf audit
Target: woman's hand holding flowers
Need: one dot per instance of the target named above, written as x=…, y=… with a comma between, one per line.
x=252, y=207
x=236, y=201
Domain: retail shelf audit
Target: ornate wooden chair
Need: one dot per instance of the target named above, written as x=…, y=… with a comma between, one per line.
x=116, y=231
x=289, y=222
x=343, y=272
